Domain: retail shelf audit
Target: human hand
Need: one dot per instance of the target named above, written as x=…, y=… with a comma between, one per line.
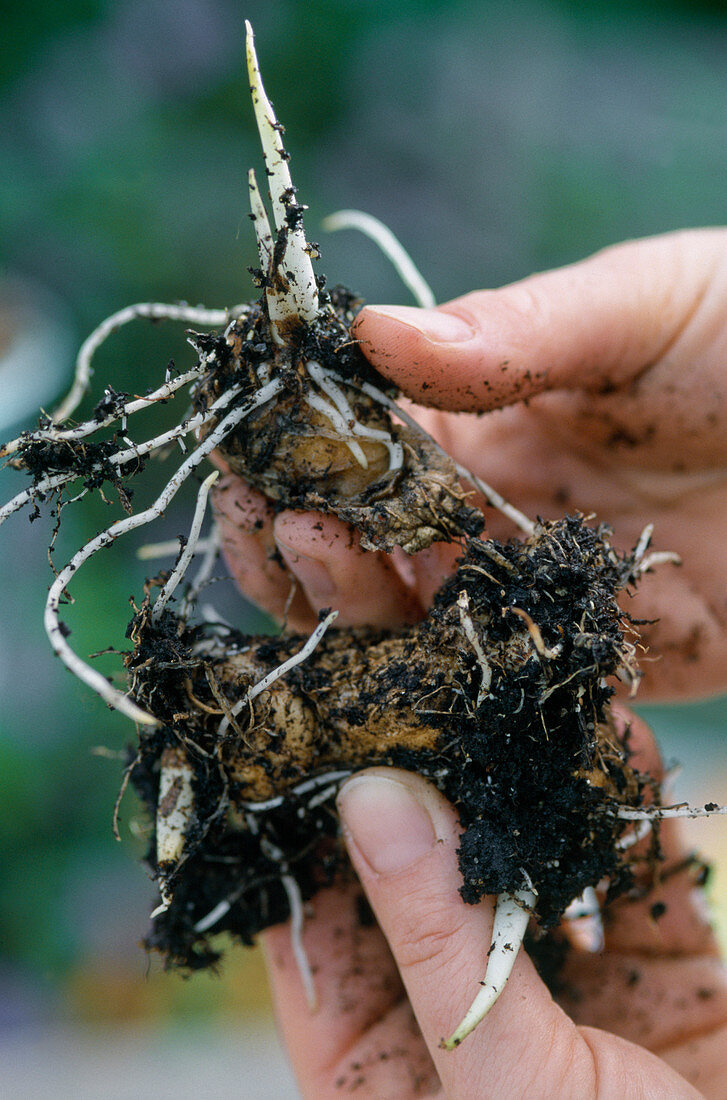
x=646, y=1017
x=610, y=387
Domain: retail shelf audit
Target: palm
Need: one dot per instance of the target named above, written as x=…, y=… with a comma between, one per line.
x=567, y=452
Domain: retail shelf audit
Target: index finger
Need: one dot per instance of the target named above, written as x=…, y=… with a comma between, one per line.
x=593, y=325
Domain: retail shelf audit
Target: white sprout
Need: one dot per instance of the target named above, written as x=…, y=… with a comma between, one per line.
x=276, y=673
x=392, y=248
x=493, y=497
x=470, y=633
x=260, y=222
x=155, y=311
x=512, y=913
x=55, y=631
x=175, y=812
x=189, y=551
x=659, y=557
x=644, y=540
x=585, y=922
x=300, y=297
x=327, y=382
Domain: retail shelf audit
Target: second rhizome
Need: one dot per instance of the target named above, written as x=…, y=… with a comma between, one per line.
x=500, y=696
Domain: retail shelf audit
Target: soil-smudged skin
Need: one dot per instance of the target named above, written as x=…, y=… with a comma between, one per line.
x=398, y=489
x=518, y=737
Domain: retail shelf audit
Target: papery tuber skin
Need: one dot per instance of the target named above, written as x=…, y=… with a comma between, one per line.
x=535, y=770
x=293, y=454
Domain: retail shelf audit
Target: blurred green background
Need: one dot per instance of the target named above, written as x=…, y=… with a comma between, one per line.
x=494, y=138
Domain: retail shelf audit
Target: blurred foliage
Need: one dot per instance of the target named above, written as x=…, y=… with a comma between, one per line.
x=495, y=138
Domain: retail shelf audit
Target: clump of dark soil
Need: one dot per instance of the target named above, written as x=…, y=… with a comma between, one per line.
x=532, y=763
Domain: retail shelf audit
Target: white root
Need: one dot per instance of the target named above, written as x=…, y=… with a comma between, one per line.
x=189, y=551
x=47, y=485
x=641, y=831
x=492, y=496
x=155, y=311
x=334, y=778
x=644, y=562
x=58, y=435
x=297, y=924
x=585, y=923
x=216, y=914
x=55, y=631
x=327, y=382
x=315, y=401
x=496, y=500
x=512, y=913
x=267, y=681
x=658, y=813
x=121, y=458
x=297, y=921
x=392, y=248
x=300, y=298
x=175, y=814
x=211, y=549
x=150, y=551
x=470, y=633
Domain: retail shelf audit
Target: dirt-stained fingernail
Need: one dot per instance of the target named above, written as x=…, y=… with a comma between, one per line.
x=433, y=324
x=389, y=825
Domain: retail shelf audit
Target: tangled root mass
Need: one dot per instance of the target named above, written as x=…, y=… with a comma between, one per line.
x=532, y=764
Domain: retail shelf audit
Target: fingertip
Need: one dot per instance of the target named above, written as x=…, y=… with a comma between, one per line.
x=391, y=818
x=589, y=326
x=326, y=557
x=423, y=351
x=242, y=509
x=245, y=522
x=643, y=750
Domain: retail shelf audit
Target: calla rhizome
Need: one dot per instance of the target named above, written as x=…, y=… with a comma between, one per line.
x=500, y=696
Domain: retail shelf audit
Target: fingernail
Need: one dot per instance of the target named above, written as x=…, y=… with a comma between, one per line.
x=311, y=572
x=438, y=327
x=388, y=824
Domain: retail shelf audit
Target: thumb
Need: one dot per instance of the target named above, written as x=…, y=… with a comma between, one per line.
x=402, y=837
x=594, y=325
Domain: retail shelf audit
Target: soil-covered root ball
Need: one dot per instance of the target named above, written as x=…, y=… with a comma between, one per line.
x=500, y=697
x=326, y=441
